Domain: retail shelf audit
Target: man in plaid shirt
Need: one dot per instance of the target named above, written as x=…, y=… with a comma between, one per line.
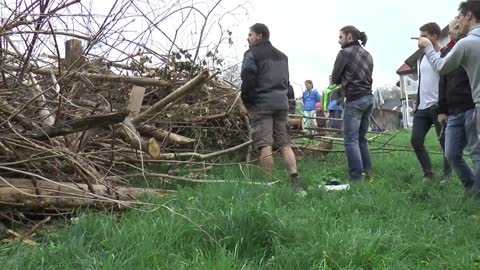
x=353, y=70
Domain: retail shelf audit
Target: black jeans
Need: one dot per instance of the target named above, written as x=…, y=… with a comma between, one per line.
x=422, y=122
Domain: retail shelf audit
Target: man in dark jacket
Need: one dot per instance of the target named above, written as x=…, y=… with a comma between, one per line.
x=265, y=81
x=353, y=70
x=456, y=109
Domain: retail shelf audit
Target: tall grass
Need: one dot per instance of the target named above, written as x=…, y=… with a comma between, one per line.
x=393, y=222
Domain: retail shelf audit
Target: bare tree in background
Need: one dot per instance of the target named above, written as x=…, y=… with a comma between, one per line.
x=163, y=34
x=390, y=92
x=232, y=74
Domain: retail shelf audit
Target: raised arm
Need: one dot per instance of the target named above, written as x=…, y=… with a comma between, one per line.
x=450, y=62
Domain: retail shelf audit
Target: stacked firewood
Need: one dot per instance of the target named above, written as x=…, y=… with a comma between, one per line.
x=74, y=134
x=76, y=127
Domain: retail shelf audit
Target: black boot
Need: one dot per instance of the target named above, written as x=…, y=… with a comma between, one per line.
x=297, y=186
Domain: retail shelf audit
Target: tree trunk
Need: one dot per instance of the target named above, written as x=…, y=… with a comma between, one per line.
x=78, y=125
x=180, y=92
x=28, y=194
x=161, y=135
x=132, y=137
x=73, y=54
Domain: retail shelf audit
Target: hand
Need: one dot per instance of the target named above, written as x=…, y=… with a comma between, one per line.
x=442, y=119
x=423, y=42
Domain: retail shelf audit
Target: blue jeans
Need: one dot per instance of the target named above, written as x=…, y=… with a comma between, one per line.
x=476, y=184
x=335, y=123
x=356, y=120
x=422, y=123
x=461, y=133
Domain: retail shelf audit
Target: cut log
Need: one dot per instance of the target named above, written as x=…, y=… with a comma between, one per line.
x=73, y=54
x=78, y=125
x=153, y=148
x=161, y=135
x=197, y=156
x=23, y=193
x=132, y=137
x=130, y=133
x=177, y=94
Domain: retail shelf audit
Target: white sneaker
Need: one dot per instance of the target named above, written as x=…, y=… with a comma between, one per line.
x=335, y=187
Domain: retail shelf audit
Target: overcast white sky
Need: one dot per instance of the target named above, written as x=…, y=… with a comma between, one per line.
x=307, y=31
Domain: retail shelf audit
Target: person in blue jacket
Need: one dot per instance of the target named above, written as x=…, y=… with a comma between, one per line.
x=310, y=99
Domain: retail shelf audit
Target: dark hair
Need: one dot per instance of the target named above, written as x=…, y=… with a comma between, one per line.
x=471, y=5
x=309, y=82
x=432, y=28
x=356, y=34
x=260, y=28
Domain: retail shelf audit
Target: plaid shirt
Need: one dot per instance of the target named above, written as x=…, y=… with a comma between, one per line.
x=353, y=69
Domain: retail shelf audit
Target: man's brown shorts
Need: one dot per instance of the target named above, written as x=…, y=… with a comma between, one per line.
x=269, y=128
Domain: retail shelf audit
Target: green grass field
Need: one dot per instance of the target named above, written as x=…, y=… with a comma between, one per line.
x=393, y=222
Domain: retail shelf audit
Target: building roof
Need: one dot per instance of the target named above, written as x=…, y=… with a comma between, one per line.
x=405, y=69
x=411, y=61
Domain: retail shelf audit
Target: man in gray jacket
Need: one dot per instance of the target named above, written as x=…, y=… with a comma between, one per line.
x=466, y=54
x=265, y=82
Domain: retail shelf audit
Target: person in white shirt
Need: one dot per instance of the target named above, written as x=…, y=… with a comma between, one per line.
x=426, y=112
